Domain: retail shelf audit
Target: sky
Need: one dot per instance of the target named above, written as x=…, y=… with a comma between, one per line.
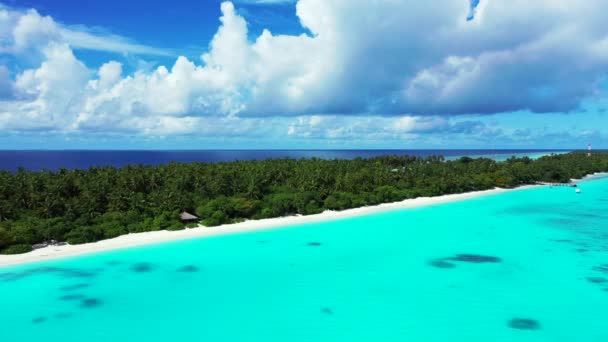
x=309, y=74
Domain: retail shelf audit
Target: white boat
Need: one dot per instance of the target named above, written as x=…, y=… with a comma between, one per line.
x=578, y=191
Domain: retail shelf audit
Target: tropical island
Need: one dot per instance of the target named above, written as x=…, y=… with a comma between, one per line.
x=82, y=206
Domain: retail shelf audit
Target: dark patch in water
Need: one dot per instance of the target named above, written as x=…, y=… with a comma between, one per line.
x=315, y=244
x=39, y=320
x=262, y=241
x=63, y=315
x=440, y=263
x=71, y=297
x=291, y=265
x=76, y=273
x=562, y=240
x=593, y=216
x=90, y=303
x=474, y=258
x=581, y=250
x=601, y=268
x=597, y=280
x=142, y=267
x=188, y=269
x=327, y=311
x=448, y=262
x=565, y=222
x=524, y=210
x=9, y=276
x=113, y=262
x=62, y=272
x=74, y=287
x=524, y=324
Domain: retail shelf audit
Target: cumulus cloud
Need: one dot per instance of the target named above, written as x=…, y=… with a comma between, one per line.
x=401, y=67
x=29, y=30
x=48, y=95
x=402, y=128
x=6, y=84
x=266, y=2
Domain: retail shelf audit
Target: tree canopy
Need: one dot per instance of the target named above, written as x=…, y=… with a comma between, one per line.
x=80, y=206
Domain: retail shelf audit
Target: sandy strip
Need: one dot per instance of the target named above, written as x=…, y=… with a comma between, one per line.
x=590, y=177
x=139, y=239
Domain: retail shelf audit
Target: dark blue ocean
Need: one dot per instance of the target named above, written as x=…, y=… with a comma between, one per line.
x=75, y=159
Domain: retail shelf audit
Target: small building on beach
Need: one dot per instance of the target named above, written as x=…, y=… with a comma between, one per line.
x=186, y=217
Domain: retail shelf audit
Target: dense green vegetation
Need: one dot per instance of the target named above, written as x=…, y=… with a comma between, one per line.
x=81, y=206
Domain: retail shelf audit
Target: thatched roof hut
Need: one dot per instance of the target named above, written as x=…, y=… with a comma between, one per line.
x=186, y=217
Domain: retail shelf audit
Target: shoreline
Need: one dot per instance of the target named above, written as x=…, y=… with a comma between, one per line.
x=161, y=236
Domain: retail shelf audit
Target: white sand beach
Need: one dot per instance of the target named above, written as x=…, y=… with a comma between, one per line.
x=139, y=239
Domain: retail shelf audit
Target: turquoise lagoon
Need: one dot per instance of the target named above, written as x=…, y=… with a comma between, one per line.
x=538, y=255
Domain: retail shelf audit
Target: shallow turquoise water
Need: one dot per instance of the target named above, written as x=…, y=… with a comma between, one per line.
x=371, y=278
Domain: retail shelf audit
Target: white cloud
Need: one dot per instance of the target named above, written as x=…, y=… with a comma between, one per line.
x=33, y=30
x=363, y=59
x=85, y=39
x=21, y=31
x=109, y=74
x=340, y=127
x=6, y=84
x=266, y=2
x=52, y=93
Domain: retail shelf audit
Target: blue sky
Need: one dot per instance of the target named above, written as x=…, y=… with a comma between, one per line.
x=303, y=74
x=182, y=27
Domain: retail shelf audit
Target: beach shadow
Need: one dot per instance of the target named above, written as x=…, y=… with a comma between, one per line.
x=39, y=320
x=475, y=258
x=62, y=272
x=327, y=311
x=71, y=297
x=9, y=276
x=142, y=267
x=77, y=273
x=90, y=303
x=597, y=280
x=592, y=216
x=602, y=268
x=564, y=222
x=441, y=263
x=74, y=287
x=449, y=262
x=562, y=240
x=188, y=269
x=524, y=324
x=544, y=209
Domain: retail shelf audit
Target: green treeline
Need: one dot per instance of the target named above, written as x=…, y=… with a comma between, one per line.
x=81, y=206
